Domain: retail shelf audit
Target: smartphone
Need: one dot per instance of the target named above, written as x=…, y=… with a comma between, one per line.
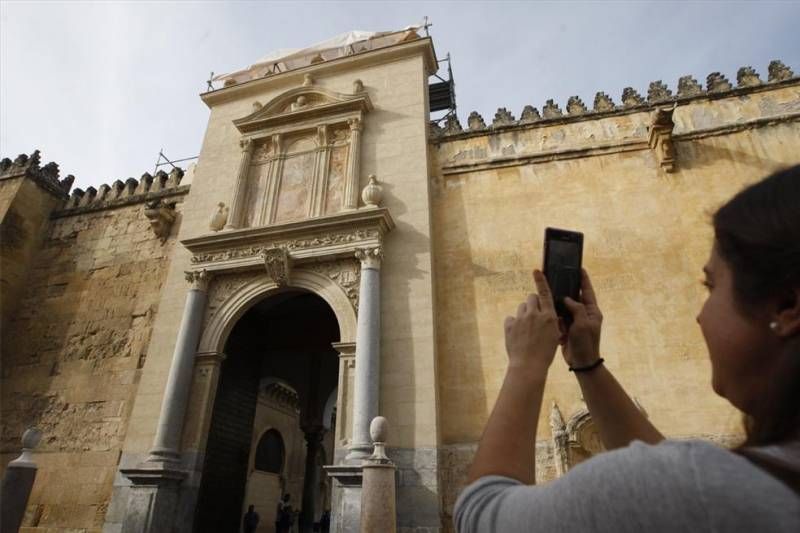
x=563, y=255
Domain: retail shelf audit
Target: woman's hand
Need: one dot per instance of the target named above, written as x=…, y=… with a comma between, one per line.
x=581, y=344
x=532, y=336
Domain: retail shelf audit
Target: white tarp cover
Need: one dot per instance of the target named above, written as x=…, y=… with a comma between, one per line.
x=339, y=46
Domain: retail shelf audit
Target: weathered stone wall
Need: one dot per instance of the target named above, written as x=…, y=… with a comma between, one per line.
x=647, y=236
x=74, y=352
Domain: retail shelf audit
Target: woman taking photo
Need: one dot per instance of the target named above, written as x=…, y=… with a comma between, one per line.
x=751, y=326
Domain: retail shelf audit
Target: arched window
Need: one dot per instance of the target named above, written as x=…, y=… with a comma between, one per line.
x=270, y=452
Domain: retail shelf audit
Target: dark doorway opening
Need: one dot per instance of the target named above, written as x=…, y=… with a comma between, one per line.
x=279, y=374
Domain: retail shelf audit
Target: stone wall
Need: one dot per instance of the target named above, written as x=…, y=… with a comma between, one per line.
x=647, y=236
x=74, y=350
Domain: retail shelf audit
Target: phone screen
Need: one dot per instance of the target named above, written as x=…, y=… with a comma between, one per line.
x=562, y=266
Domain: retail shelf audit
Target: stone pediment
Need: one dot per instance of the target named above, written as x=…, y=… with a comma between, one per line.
x=304, y=104
x=320, y=239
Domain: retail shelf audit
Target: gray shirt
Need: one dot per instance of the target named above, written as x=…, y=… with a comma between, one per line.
x=672, y=486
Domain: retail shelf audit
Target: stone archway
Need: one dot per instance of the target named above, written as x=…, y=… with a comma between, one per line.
x=231, y=298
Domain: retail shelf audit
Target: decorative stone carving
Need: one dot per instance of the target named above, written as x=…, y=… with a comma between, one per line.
x=551, y=110
x=344, y=272
x=558, y=430
x=688, y=86
x=219, y=218
x=658, y=92
x=161, y=216
x=370, y=257
x=529, y=114
x=503, y=118
x=575, y=106
x=603, y=102
x=379, y=432
x=778, y=71
x=747, y=77
x=278, y=264
x=716, y=82
x=256, y=106
x=372, y=193
x=198, y=279
x=475, y=122
x=631, y=98
x=300, y=103
x=46, y=176
x=660, y=138
x=358, y=86
x=452, y=125
x=308, y=80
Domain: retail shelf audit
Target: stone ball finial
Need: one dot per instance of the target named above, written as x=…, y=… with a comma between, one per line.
x=256, y=106
x=308, y=80
x=31, y=438
x=379, y=429
x=372, y=193
x=219, y=218
x=358, y=86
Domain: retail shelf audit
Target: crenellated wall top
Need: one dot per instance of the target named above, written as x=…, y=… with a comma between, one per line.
x=30, y=166
x=658, y=95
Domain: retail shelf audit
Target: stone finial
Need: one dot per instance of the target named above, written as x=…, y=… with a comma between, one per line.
x=379, y=432
x=631, y=98
x=161, y=216
x=603, y=102
x=475, y=122
x=372, y=193
x=778, y=71
x=316, y=59
x=551, y=110
x=658, y=92
x=747, y=77
x=575, y=106
x=30, y=440
x=308, y=80
x=452, y=125
x=219, y=218
x=716, y=82
x=688, y=86
x=278, y=264
x=503, y=117
x=257, y=106
x=529, y=114
x=358, y=86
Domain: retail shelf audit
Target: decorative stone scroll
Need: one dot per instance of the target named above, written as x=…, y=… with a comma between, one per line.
x=278, y=265
x=344, y=272
x=660, y=138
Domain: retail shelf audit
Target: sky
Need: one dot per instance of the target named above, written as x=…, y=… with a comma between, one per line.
x=101, y=87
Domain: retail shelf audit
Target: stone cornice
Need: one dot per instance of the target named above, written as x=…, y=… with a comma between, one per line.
x=295, y=77
x=315, y=239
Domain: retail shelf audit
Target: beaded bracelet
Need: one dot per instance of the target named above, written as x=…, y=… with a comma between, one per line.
x=587, y=368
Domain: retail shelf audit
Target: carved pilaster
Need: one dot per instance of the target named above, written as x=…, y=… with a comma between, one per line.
x=660, y=138
x=278, y=264
x=352, y=184
x=273, y=181
x=320, y=189
x=240, y=187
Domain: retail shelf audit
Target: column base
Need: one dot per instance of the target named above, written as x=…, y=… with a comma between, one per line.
x=357, y=452
x=152, y=497
x=346, y=504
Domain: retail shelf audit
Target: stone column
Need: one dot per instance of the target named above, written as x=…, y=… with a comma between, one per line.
x=352, y=185
x=240, y=187
x=311, y=479
x=166, y=446
x=368, y=356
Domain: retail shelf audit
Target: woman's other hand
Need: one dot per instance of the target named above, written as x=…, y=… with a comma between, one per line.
x=532, y=336
x=581, y=344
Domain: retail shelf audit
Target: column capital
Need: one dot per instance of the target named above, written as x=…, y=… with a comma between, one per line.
x=370, y=257
x=355, y=124
x=199, y=279
x=246, y=145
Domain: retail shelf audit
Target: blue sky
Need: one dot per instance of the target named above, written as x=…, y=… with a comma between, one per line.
x=100, y=87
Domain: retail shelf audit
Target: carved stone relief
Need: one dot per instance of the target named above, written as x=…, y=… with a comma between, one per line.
x=344, y=272
x=278, y=265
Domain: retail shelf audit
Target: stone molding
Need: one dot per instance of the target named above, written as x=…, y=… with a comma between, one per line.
x=312, y=240
x=688, y=91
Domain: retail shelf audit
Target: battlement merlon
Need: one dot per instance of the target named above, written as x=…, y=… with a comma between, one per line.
x=46, y=176
x=295, y=77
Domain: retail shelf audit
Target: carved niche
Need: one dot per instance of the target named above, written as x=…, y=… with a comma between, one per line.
x=302, y=158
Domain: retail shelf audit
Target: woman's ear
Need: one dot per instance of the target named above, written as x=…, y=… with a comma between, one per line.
x=788, y=314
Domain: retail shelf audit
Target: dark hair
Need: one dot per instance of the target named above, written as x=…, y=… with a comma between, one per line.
x=757, y=234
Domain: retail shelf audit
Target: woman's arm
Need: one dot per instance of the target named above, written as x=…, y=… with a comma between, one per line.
x=507, y=445
x=618, y=419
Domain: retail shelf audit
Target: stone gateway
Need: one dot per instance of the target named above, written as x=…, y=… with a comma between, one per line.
x=195, y=342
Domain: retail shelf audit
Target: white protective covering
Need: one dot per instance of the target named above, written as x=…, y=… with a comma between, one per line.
x=341, y=45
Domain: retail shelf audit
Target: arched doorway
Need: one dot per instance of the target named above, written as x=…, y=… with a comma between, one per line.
x=279, y=374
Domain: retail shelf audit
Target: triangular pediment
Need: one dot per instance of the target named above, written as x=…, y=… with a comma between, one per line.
x=301, y=104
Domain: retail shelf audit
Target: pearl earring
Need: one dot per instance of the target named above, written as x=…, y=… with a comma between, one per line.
x=773, y=326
